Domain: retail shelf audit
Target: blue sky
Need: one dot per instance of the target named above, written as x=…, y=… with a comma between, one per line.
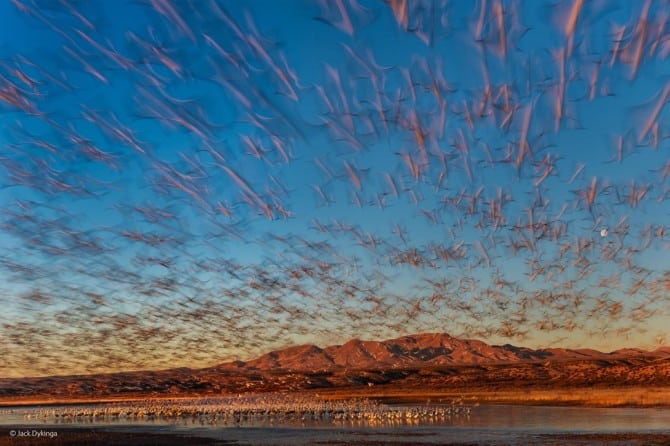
x=186, y=140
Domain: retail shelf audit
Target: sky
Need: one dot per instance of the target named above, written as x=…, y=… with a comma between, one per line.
x=183, y=184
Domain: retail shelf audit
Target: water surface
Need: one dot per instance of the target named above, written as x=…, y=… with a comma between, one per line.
x=486, y=424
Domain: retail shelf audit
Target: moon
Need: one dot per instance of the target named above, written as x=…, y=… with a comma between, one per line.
x=603, y=232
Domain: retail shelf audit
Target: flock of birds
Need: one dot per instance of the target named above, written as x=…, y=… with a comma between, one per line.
x=183, y=183
x=255, y=410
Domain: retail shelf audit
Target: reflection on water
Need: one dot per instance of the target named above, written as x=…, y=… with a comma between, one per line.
x=569, y=418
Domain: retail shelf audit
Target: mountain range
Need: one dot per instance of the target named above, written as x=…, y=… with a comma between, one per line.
x=430, y=362
x=417, y=351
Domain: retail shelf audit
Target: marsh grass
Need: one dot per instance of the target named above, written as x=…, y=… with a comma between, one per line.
x=588, y=396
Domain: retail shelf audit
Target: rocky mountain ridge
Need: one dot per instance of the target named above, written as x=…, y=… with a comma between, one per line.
x=416, y=351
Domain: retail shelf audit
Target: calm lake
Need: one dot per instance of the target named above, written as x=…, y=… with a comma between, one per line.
x=486, y=424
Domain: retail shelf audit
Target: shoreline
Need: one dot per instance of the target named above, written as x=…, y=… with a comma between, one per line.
x=625, y=397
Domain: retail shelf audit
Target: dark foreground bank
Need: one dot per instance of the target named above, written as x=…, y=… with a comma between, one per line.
x=130, y=436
